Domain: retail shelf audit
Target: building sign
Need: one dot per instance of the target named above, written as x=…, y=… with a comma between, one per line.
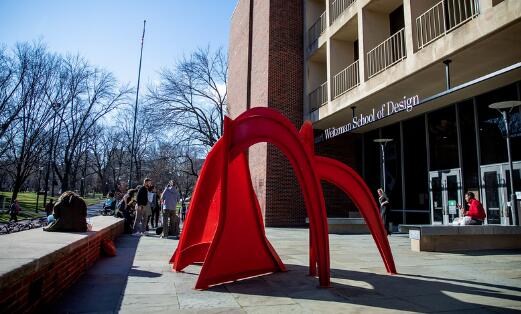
x=377, y=113
x=452, y=207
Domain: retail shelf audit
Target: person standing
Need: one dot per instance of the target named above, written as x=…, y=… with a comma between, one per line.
x=169, y=200
x=183, y=211
x=154, y=206
x=14, y=210
x=142, y=207
x=384, y=209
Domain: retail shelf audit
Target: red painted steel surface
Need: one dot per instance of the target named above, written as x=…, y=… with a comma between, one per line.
x=224, y=228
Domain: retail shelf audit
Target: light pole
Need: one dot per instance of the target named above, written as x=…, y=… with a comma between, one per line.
x=38, y=189
x=505, y=107
x=55, y=106
x=82, y=188
x=135, y=107
x=383, y=142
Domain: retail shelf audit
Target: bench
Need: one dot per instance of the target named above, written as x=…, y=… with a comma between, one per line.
x=346, y=225
x=37, y=266
x=438, y=238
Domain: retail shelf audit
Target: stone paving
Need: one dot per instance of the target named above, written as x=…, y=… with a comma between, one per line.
x=139, y=280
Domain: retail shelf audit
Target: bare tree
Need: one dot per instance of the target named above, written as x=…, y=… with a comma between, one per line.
x=14, y=68
x=29, y=129
x=87, y=95
x=191, y=98
x=147, y=133
x=172, y=161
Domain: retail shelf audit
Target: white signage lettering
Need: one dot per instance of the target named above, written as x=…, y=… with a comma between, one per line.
x=386, y=109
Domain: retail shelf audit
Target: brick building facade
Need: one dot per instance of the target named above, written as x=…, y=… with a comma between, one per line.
x=266, y=61
x=347, y=66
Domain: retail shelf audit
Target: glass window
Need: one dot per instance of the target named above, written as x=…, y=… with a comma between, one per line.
x=372, y=161
x=491, y=129
x=443, y=140
x=415, y=166
x=393, y=168
x=468, y=146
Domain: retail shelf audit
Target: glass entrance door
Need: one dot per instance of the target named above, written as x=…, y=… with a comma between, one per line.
x=445, y=194
x=495, y=190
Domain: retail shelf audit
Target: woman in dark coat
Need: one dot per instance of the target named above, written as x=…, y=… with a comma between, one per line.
x=385, y=209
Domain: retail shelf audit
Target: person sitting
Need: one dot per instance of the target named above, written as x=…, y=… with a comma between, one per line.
x=109, y=206
x=70, y=214
x=476, y=213
x=48, y=207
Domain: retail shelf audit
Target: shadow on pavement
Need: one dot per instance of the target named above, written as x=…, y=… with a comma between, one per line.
x=394, y=292
x=102, y=286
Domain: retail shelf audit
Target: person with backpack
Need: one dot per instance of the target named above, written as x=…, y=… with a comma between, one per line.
x=169, y=200
x=14, y=210
x=142, y=208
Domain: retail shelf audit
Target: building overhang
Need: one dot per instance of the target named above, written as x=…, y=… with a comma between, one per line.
x=483, y=84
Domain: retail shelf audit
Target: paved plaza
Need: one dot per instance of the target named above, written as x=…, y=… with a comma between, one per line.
x=139, y=280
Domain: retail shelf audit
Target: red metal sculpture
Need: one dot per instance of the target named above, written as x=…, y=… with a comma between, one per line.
x=224, y=228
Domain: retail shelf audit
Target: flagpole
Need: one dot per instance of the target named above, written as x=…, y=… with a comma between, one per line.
x=135, y=109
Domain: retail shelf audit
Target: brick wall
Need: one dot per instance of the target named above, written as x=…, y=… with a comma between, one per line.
x=238, y=59
x=30, y=287
x=277, y=61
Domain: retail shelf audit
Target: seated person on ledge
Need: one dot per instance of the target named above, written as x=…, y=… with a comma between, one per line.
x=475, y=215
x=70, y=214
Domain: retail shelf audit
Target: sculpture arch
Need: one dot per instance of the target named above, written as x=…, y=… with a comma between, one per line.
x=232, y=224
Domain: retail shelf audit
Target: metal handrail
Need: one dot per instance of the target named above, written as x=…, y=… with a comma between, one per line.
x=317, y=29
x=386, y=54
x=338, y=7
x=346, y=80
x=444, y=17
x=318, y=97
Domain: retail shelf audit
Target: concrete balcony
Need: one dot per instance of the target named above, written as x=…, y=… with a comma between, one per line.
x=388, y=53
x=316, y=30
x=346, y=80
x=442, y=18
x=338, y=7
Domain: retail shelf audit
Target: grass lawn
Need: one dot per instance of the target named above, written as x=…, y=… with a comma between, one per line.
x=27, y=201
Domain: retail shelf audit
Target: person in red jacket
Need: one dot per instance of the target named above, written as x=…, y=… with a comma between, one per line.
x=476, y=213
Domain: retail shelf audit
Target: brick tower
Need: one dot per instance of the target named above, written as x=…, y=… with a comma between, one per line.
x=266, y=64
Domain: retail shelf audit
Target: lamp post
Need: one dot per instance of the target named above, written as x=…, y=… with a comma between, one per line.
x=82, y=187
x=38, y=189
x=135, y=107
x=505, y=107
x=383, y=142
x=55, y=106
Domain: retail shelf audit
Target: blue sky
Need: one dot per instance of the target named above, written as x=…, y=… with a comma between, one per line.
x=108, y=32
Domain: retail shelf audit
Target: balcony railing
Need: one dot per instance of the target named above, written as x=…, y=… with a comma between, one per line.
x=318, y=97
x=386, y=54
x=316, y=29
x=346, y=80
x=444, y=17
x=338, y=7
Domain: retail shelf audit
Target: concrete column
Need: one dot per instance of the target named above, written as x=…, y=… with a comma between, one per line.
x=361, y=47
x=329, y=70
x=409, y=34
